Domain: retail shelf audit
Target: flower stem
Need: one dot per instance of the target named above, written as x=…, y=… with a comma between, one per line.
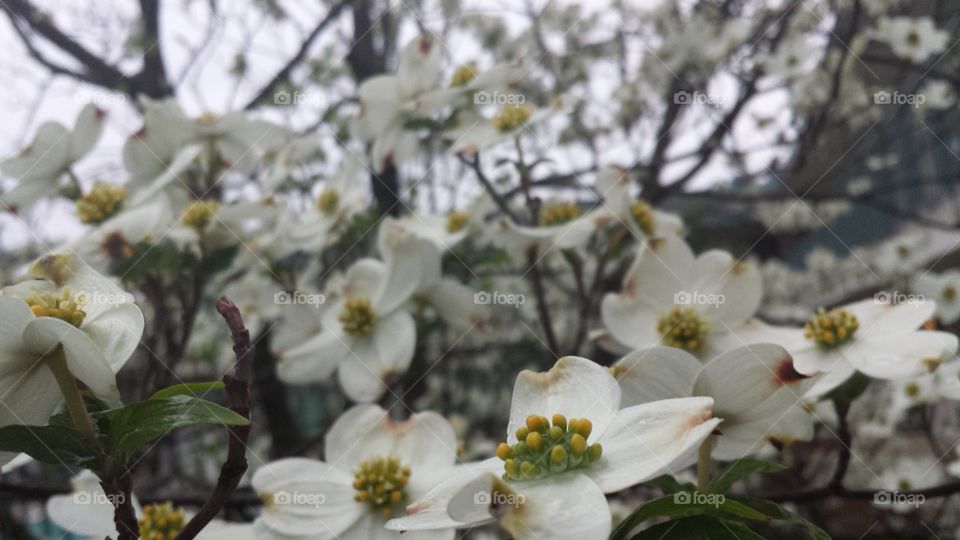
x=71, y=394
x=703, y=464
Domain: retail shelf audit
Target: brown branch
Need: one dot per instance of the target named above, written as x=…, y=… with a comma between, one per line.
x=119, y=490
x=284, y=73
x=237, y=385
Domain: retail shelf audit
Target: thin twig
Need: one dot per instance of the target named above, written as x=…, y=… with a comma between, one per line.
x=237, y=385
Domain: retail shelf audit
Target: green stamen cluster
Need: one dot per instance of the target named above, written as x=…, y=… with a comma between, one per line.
x=683, y=328
x=542, y=449
x=199, y=213
x=381, y=483
x=558, y=213
x=643, y=214
x=830, y=329
x=64, y=307
x=100, y=203
x=160, y=522
x=357, y=317
x=329, y=201
x=511, y=117
x=463, y=74
x=457, y=221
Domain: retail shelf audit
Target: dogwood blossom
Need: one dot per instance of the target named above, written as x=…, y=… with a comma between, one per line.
x=368, y=335
x=373, y=466
x=69, y=322
x=555, y=476
x=755, y=389
x=54, y=148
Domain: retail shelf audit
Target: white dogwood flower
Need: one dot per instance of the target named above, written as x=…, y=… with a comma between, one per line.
x=755, y=389
x=912, y=38
x=944, y=290
x=554, y=477
x=389, y=102
x=69, y=323
x=368, y=334
x=879, y=339
x=703, y=304
x=374, y=467
x=54, y=148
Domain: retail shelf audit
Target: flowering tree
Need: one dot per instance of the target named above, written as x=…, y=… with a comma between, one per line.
x=703, y=282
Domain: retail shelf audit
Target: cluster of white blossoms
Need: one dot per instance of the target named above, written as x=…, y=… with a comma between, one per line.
x=690, y=369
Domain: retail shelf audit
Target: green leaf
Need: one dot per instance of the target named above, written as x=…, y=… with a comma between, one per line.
x=669, y=485
x=851, y=389
x=698, y=528
x=780, y=513
x=686, y=503
x=57, y=445
x=187, y=389
x=135, y=425
x=741, y=468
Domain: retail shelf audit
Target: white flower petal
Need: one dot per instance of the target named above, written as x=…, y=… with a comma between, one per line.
x=652, y=438
x=743, y=378
x=314, y=360
x=86, y=131
x=902, y=355
x=656, y=373
x=116, y=333
x=308, y=498
x=85, y=361
x=430, y=510
x=574, y=387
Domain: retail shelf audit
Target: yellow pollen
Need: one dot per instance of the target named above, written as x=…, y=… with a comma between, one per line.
x=830, y=329
x=643, y=214
x=65, y=307
x=160, y=522
x=100, y=203
x=329, y=201
x=199, y=213
x=357, y=317
x=683, y=328
x=457, y=221
x=463, y=74
x=949, y=292
x=542, y=449
x=381, y=483
x=511, y=117
x=558, y=213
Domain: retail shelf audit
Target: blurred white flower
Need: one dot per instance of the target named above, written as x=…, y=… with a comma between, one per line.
x=912, y=38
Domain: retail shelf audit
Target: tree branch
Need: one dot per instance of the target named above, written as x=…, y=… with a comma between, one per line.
x=237, y=385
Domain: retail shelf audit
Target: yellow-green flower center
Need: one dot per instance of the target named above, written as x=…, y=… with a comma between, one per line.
x=830, y=329
x=543, y=449
x=100, y=203
x=381, y=483
x=160, y=522
x=329, y=201
x=463, y=74
x=913, y=38
x=949, y=292
x=683, y=328
x=357, y=317
x=199, y=213
x=643, y=214
x=558, y=213
x=511, y=117
x=911, y=389
x=65, y=307
x=457, y=221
